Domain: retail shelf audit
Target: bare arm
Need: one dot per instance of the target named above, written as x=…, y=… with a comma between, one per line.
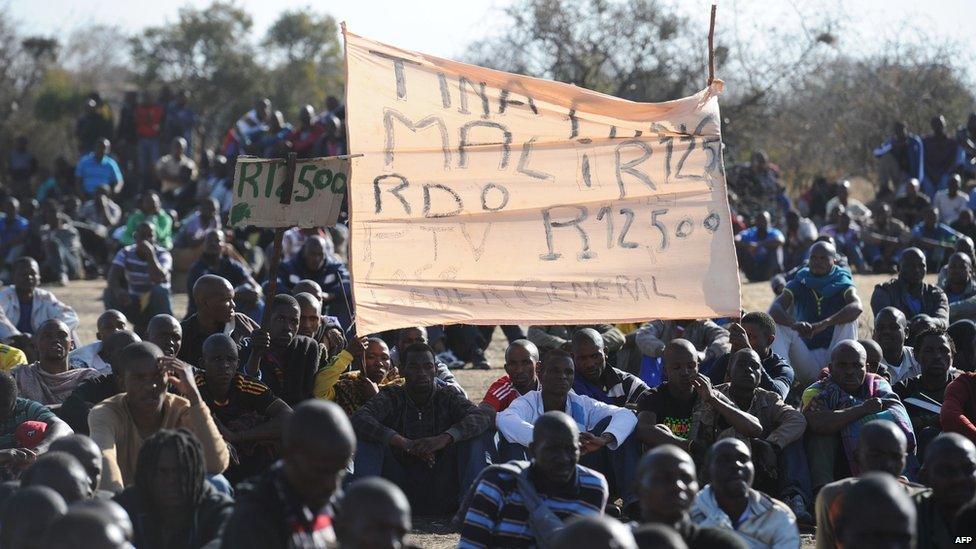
x=56, y=428
x=269, y=430
x=651, y=434
x=779, y=310
x=848, y=313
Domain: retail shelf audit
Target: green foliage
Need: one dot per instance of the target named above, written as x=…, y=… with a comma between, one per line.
x=58, y=98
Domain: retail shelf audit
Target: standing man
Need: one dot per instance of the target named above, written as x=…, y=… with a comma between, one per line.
x=827, y=308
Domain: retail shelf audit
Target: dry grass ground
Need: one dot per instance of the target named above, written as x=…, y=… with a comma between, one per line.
x=85, y=297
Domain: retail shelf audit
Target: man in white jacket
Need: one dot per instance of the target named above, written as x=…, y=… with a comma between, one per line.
x=730, y=502
x=605, y=441
x=27, y=307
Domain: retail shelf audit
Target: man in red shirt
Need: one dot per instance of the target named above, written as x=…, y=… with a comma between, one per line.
x=149, y=122
x=521, y=369
x=958, y=414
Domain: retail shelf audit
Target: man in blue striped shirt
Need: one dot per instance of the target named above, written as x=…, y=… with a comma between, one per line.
x=498, y=514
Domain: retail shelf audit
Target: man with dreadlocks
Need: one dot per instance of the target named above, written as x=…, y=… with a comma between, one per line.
x=171, y=503
x=121, y=424
x=291, y=505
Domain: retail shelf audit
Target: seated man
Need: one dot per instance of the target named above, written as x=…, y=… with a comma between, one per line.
x=884, y=237
x=195, y=227
x=875, y=510
x=50, y=380
x=881, y=448
x=959, y=287
x=351, y=390
x=139, y=279
x=373, y=512
x=547, y=338
x=730, y=502
x=958, y=413
x=279, y=357
x=88, y=455
x=779, y=454
x=317, y=446
x=152, y=213
x=936, y=239
x=323, y=329
x=418, y=334
x=836, y=408
x=827, y=308
x=91, y=355
x=16, y=450
x=30, y=512
x=28, y=306
x=427, y=439
x=891, y=333
x=667, y=485
x=949, y=471
x=60, y=472
x=760, y=249
x=14, y=232
x=96, y=529
x=756, y=331
x=710, y=340
x=249, y=300
x=847, y=237
x=522, y=367
x=605, y=430
x=165, y=332
x=909, y=293
x=215, y=314
x=248, y=415
x=671, y=412
x=316, y=263
x=171, y=498
x=61, y=244
x=215, y=260
x=923, y=394
x=595, y=379
x=90, y=392
x=500, y=516
x=120, y=424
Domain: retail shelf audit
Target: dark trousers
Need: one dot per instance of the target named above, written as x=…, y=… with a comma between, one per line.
x=619, y=466
x=157, y=303
x=469, y=342
x=433, y=490
x=761, y=268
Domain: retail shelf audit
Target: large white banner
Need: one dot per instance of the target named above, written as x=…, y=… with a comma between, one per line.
x=486, y=197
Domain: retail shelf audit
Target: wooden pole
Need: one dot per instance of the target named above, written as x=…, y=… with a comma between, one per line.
x=711, y=47
x=286, y=190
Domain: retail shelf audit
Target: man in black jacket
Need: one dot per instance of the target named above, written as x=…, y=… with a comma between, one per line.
x=215, y=314
x=426, y=438
x=279, y=357
x=75, y=409
x=291, y=505
x=909, y=292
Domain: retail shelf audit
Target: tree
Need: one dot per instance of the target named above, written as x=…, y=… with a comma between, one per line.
x=208, y=52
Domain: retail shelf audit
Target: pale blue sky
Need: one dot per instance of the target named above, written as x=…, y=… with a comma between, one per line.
x=446, y=27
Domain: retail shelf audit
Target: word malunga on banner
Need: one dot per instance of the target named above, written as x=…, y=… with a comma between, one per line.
x=318, y=189
x=486, y=197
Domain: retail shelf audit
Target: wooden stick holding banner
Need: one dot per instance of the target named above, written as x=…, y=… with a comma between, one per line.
x=711, y=47
x=286, y=190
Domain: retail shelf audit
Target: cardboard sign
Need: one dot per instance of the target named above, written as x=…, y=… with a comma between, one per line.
x=485, y=197
x=317, y=192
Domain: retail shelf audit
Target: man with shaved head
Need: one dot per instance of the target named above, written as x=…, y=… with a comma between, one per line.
x=671, y=412
x=826, y=311
x=50, y=380
x=891, y=333
x=90, y=392
x=595, y=379
x=28, y=306
x=496, y=517
x=91, y=356
x=875, y=512
x=293, y=500
x=667, y=485
x=215, y=260
x=605, y=429
x=83, y=449
x=165, y=332
x=317, y=261
x=873, y=356
x=373, y=512
x=730, y=502
x=781, y=464
x=521, y=376
x=909, y=293
x=594, y=531
x=139, y=278
x=61, y=472
x=881, y=448
x=245, y=410
x=836, y=407
x=214, y=297
x=959, y=286
x=935, y=351
x=949, y=470
x=27, y=515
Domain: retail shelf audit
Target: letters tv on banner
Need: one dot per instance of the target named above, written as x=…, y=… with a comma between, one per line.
x=489, y=198
x=317, y=193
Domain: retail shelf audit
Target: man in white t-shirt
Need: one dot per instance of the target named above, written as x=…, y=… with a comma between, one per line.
x=951, y=201
x=890, y=332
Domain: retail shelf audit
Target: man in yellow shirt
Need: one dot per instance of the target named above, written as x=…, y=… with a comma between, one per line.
x=11, y=357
